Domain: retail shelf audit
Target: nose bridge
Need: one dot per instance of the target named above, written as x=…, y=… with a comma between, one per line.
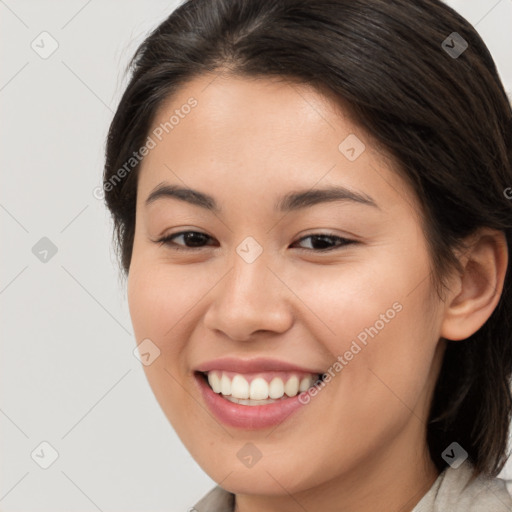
x=250, y=298
x=250, y=275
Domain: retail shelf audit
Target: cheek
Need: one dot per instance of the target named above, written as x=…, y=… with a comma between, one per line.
x=385, y=385
x=352, y=297
x=159, y=297
x=376, y=317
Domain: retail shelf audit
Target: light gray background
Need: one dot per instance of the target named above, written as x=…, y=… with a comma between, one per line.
x=68, y=374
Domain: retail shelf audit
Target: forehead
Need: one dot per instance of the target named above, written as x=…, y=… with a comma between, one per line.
x=265, y=133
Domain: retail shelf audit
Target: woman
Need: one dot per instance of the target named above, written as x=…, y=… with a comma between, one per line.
x=310, y=199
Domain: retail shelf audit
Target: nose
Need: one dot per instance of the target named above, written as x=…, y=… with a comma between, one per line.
x=249, y=299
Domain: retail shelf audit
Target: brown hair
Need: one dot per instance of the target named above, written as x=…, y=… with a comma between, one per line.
x=444, y=117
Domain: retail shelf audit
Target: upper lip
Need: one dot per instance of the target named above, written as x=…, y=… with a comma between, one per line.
x=259, y=364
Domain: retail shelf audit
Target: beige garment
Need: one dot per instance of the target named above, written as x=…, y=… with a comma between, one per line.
x=451, y=492
x=454, y=492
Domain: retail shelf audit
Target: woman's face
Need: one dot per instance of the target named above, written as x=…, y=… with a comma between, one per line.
x=257, y=282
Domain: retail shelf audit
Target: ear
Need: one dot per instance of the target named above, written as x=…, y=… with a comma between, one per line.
x=476, y=293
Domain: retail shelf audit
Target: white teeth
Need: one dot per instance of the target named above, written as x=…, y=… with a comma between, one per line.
x=225, y=385
x=258, y=390
x=239, y=390
x=214, y=381
x=291, y=388
x=239, y=387
x=305, y=383
x=249, y=402
x=276, y=388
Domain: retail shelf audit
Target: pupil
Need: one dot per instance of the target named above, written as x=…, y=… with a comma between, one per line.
x=324, y=241
x=189, y=238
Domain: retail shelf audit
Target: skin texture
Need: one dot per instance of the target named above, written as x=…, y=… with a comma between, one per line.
x=360, y=444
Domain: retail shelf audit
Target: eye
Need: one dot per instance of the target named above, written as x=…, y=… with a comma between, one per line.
x=324, y=239
x=196, y=239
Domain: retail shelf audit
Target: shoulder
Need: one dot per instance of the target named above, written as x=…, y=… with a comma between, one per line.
x=459, y=490
x=216, y=500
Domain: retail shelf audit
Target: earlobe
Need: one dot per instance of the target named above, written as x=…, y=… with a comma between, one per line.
x=478, y=289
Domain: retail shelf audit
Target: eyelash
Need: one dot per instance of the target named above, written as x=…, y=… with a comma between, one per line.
x=167, y=240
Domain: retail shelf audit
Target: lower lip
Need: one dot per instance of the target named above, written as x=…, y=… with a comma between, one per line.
x=247, y=416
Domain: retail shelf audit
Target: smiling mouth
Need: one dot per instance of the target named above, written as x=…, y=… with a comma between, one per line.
x=258, y=388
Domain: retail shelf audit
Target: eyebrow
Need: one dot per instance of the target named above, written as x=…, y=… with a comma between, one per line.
x=292, y=201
